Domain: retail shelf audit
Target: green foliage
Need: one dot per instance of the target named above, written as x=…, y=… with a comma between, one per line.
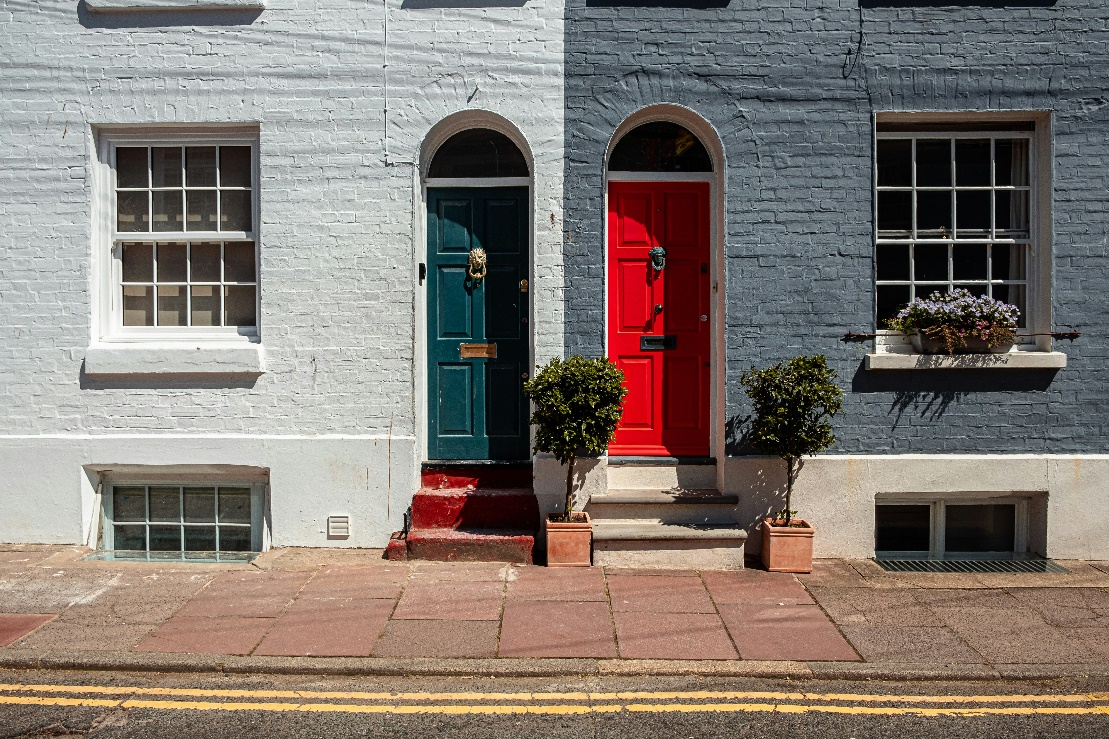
x=794, y=403
x=578, y=403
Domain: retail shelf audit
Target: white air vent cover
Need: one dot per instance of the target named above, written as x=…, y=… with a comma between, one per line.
x=338, y=527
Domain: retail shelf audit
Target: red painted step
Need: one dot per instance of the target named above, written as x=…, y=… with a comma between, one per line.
x=483, y=508
x=471, y=545
x=477, y=476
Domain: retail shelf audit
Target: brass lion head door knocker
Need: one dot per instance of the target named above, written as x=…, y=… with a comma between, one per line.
x=478, y=264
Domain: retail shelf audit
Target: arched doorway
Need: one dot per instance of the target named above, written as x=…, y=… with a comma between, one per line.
x=661, y=288
x=478, y=263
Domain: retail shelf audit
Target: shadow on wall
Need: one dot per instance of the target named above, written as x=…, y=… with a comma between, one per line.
x=165, y=18
x=691, y=4
x=183, y=381
x=428, y=4
x=957, y=3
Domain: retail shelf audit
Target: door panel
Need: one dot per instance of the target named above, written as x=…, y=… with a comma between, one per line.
x=666, y=412
x=476, y=408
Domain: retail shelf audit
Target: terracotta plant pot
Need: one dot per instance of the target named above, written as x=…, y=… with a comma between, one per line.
x=570, y=544
x=787, y=548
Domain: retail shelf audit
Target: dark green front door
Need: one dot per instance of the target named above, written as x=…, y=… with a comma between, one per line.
x=476, y=406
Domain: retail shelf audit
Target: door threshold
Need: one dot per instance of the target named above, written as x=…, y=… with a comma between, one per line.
x=629, y=461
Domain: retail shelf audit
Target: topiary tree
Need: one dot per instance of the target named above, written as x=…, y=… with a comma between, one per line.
x=578, y=403
x=793, y=403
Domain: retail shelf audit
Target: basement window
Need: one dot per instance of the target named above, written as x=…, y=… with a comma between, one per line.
x=987, y=528
x=183, y=521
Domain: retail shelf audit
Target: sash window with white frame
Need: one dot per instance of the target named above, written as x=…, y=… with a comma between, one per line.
x=955, y=209
x=183, y=214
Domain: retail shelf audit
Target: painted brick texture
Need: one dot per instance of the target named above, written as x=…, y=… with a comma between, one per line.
x=792, y=98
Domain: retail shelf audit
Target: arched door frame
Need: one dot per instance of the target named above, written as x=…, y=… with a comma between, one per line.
x=436, y=136
x=709, y=138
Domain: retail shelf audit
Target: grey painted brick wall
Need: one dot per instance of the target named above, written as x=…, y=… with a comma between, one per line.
x=784, y=85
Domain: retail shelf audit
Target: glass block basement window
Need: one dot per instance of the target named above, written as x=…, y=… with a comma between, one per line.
x=182, y=521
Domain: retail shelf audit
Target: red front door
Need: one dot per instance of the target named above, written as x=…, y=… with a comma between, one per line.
x=658, y=327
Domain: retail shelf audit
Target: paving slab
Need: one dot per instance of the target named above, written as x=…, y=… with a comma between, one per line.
x=556, y=629
x=455, y=601
x=659, y=594
x=560, y=583
x=309, y=559
x=771, y=632
x=755, y=586
x=313, y=627
x=15, y=626
x=937, y=645
x=64, y=634
x=207, y=635
x=1018, y=636
x=42, y=590
x=356, y=582
x=833, y=573
x=672, y=636
x=650, y=572
x=247, y=594
x=874, y=606
x=942, y=598
x=471, y=639
x=460, y=571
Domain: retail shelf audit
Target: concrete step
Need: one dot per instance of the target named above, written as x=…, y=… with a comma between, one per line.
x=660, y=476
x=664, y=506
x=471, y=545
x=484, y=508
x=631, y=543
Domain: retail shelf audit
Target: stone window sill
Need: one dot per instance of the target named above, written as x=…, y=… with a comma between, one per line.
x=167, y=358
x=1009, y=360
x=136, y=6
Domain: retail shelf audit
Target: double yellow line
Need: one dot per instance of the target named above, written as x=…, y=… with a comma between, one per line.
x=552, y=703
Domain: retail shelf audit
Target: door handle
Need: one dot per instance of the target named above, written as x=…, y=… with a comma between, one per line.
x=658, y=308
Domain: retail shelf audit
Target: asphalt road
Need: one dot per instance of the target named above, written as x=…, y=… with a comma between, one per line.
x=57, y=704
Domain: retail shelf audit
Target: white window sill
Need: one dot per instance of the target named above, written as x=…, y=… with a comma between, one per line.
x=178, y=357
x=900, y=360
x=133, y=6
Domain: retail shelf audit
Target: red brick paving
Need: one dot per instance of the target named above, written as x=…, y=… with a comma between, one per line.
x=755, y=586
x=15, y=626
x=340, y=627
x=672, y=636
x=249, y=594
x=573, y=584
x=772, y=632
x=456, y=601
x=207, y=635
x=556, y=629
x=357, y=582
x=658, y=594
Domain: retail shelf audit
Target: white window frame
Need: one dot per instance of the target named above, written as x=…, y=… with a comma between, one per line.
x=107, y=271
x=1033, y=336
x=938, y=522
x=257, y=508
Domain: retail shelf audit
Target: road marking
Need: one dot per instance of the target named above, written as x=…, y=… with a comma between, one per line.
x=552, y=709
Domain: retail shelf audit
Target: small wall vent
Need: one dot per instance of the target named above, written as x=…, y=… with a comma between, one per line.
x=338, y=527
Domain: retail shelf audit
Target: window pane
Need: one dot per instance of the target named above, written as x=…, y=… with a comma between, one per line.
x=200, y=538
x=165, y=538
x=661, y=146
x=165, y=504
x=1012, y=162
x=980, y=528
x=132, y=211
x=973, y=289
x=933, y=162
x=239, y=261
x=235, y=210
x=138, y=262
x=200, y=505
x=972, y=162
x=172, y=305
x=895, y=212
x=972, y=209
x=234, y=166
x=234, y=505
x=933, y=215
x=968, y=262
x=131, y=166
x=902, y=528
x=891, y=298
x=1012, y=214
x=167, y=211
x=1008, y=261
x=138, y=305
x=930, y=263
x=129, y=504
x=172, y=262
x=893, y=262
x=240, y=308
x=200, y=164
x=895, y=163
x=130, y=538
x=202, y=210
x=165, y=166
x=205, y=305
x=205, y=262
x=234, y=538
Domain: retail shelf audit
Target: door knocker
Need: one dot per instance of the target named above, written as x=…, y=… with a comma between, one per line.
x=477, y=266
x=658, y=258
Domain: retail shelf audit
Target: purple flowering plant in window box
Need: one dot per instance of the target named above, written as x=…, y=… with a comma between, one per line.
x=958, y=322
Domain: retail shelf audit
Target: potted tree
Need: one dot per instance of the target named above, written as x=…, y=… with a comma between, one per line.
x=793, y=404
x=578, y=403
x=958, y=322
